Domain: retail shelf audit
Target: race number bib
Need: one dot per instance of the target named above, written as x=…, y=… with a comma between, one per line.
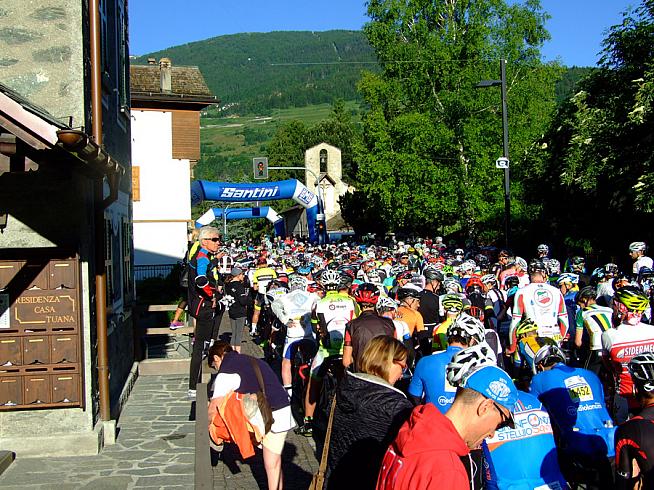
x=578, y=389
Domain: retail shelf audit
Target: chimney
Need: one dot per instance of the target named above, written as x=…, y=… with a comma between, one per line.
x=152, y=61
x=165, y=67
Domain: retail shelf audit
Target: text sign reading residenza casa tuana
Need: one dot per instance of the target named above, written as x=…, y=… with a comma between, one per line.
x=39, y=308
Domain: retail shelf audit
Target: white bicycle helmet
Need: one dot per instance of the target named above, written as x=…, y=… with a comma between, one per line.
x=374, y=276
x=553, y=267
x=384, y=303
x=297, y=282
x=522, y=263
x=330, y=279
x=568, y=277
x=641, y=368
x=637, y=247
x=452, y=285
x=548, y=354
x=468, y=359
x=489, y=280
x=542, y=248
x=467, y=327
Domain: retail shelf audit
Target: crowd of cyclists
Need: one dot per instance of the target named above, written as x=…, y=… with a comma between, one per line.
x=556, y=359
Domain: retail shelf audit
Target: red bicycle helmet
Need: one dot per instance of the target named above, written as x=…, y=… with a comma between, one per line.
x=366, y=293
x=475, y=281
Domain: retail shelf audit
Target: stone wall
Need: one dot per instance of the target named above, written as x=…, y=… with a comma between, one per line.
x=41, y=54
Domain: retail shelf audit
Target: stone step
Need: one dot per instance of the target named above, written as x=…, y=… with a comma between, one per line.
x=6, y=458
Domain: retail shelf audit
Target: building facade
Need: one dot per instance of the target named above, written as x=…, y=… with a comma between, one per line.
x=166, y=105
x=65, y=214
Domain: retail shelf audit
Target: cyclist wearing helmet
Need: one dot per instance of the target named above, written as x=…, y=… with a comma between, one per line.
x=430, y=307
x=401, y=280
x=409, y=298
x=387, y=308
x=594, y=320
x=360, y=330
x=605, y=284
x=330, y=316
x=543, y=252
x=630, y=337
x=429, y=450
x=634, y=440
x=542, y=303
x=429, y=383
x=453, y=306
x=574, y=398
x=294, y=310
x=637, y=253
x=493, y=293
x=524, y=456
x=261, y=276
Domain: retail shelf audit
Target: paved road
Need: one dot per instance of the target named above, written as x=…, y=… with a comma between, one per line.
x=155, y=450
x=298, y=460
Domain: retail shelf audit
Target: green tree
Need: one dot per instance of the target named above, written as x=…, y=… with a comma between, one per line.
x=592, y=171
x=430, y=138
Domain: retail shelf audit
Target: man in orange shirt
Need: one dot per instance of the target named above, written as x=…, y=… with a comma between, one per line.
x=409, y=297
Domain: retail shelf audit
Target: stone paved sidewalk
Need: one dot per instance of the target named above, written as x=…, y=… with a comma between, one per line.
x=154, y=447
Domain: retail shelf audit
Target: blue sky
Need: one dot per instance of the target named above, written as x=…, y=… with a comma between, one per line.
x=577, y=26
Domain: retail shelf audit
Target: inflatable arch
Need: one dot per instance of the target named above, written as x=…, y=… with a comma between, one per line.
x=203, y=190
x=244, y=213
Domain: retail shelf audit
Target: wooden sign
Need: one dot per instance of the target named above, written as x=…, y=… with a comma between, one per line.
x=45, y=308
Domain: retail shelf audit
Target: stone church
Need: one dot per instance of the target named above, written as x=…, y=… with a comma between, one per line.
x=323, y=161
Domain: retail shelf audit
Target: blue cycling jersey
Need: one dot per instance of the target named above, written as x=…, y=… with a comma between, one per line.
x=524, y=458
x=574, y=397
x=429, y=379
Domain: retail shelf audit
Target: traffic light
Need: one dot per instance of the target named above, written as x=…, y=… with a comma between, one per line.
x=260, y=165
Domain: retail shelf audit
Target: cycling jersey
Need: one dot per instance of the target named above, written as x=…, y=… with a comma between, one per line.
x=524, y=458
x=440, y=335
x=402, y=332
x=429, y=379
x=619, y=345
x=294, y=310
x=596, y=320
x=332, y=313
x=261, y=277
x=574, y=398
x=544, y=304
x=527, y=349
x=412, y=318
x=364, y=328
x=429, y=309
x=634, y=440
x=642, y=261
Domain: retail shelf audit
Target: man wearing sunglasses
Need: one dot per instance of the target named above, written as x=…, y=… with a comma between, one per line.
x=204, y=290
x=426, y=453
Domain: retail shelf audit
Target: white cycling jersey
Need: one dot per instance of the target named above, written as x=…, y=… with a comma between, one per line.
x=543, y=304
x=294, y=310
x=642, y=261
x=333, y=312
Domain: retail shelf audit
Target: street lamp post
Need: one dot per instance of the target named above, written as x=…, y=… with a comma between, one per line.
x=505, y=146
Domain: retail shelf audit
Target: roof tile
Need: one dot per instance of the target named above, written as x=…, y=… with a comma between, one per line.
x=186, y=80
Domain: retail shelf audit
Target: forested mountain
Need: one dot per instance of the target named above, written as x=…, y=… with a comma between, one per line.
x=256, y=72
x=263, y=71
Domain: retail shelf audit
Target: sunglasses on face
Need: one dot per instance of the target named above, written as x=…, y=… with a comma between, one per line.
x=402, y=364
x=214, y=239
x=505, y=421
